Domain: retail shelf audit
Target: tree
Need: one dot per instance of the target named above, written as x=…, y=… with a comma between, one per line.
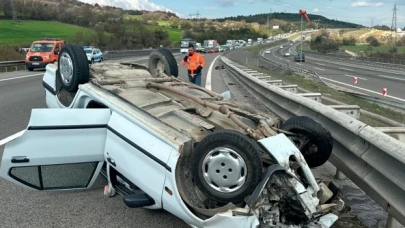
x=373, y=41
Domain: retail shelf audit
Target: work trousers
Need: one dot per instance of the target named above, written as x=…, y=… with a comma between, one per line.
x=196, y=80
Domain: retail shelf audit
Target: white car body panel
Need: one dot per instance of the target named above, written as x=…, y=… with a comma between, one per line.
x=141, y=157
x=57, y=137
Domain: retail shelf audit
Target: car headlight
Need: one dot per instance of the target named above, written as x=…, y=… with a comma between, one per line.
x=47, y=56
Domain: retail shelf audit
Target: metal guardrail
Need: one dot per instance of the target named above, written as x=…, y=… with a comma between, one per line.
x=372, y=159
x=360, y=60
x=109, y=55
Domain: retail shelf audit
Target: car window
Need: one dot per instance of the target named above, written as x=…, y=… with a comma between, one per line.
x=61, y=176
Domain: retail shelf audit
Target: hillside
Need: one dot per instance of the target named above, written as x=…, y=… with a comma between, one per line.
x=294, y=18
x=25, y=32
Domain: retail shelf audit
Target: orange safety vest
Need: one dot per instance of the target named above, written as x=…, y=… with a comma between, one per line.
x=194, y=61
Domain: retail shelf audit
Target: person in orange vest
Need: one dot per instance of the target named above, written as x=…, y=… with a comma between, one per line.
x=195, y=63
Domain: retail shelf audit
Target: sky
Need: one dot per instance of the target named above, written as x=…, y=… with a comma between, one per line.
x=364, y=12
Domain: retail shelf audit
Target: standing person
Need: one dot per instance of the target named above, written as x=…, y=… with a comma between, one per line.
x=195, y=63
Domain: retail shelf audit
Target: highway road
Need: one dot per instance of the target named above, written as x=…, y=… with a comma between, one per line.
x=22, y=91
x=370, y=80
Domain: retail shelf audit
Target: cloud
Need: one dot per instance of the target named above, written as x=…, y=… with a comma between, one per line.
x=227, y=3
x=364, y=4
x=316, y=10
x=252, y=1
x=132, y=5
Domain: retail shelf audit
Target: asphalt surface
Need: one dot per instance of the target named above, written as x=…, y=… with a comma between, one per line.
x=22, y=91
x=370, y=80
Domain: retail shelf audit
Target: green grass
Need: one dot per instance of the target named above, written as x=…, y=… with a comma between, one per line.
x=175, y=35
x=163, y=23
x=382, y=49
x=25, y=32
x=293, y=37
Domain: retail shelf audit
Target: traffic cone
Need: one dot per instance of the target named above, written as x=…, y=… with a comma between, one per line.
x=384, y=92
x=355, y=80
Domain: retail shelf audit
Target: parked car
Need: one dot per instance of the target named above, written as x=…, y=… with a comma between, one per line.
x=94, y=55
x=163, y=143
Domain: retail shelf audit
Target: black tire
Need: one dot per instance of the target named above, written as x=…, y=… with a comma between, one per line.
x=30, y=68
x=245, y=148
x=80, y=67
x=318, y=135
x=168, y=60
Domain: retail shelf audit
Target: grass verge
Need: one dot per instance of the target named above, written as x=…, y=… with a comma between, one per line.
x=25, y=32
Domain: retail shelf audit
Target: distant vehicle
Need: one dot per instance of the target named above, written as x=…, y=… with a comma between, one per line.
x=94, y=55
x=184, y=44
x=43, y=52
x=211, y=43
x=281, y=46
x=267, y=52
x=287, y=54
x=300, y=57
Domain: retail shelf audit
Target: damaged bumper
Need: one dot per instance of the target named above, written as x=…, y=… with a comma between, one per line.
x=287, y=196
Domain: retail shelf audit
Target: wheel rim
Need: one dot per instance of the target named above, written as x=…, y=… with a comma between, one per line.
x=224, y=170
x=66, y=68
x=160, y=66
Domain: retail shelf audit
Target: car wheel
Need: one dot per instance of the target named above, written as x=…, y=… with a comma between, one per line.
x=73, y=67
x=314, y=141
x=163, y=59
x=30, y=68
x=227, y=166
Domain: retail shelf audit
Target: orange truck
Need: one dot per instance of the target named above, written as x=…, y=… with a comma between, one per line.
x=43, y=52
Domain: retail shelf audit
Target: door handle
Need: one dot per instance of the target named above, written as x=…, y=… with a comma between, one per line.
x=110, y=160
x=20, y=159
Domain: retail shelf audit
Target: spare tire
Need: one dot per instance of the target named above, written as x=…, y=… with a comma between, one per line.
x=319, y=139
x=163, y=59
x=227, y=166
x=73, y=67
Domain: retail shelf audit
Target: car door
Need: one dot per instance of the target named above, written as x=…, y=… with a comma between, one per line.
x=138, y=154
x=61, y=149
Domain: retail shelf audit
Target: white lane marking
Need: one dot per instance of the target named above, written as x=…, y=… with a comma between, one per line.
x=379, y=93
x=321, y=64
x=26, y=76
x=401, y=79
x=345, y=69
x=299, y=63
x=319, y=69
x=209, y=74
x=349, y=75
x=11, y=137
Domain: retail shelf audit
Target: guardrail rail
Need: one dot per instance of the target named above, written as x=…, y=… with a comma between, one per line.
x=108, y=55
x=370, y=157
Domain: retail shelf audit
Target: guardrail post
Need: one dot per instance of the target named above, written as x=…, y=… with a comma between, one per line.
x=393, y=223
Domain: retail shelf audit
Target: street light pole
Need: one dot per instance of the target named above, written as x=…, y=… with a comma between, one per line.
x=301, y=32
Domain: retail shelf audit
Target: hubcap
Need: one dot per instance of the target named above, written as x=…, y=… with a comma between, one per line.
x=160, y=66
x=66, y=68
x=224, y=170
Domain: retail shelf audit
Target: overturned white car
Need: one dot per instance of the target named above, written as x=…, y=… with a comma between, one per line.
x=163, y=143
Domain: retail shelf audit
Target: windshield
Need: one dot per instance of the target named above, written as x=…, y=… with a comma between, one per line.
x=88, y=51
x=42, y=47
x=184, y=43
